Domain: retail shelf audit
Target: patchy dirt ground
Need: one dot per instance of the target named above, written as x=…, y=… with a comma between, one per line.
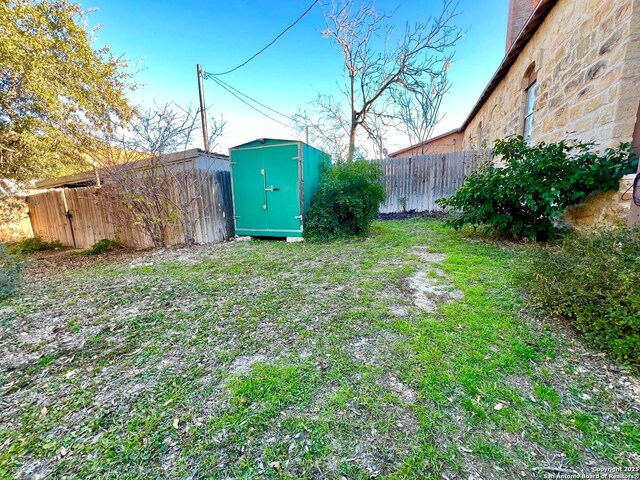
x=407, y=355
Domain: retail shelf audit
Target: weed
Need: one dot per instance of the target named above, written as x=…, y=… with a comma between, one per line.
x=35, y=244
x=102, y=246
x=593, y=282
x=10, y=272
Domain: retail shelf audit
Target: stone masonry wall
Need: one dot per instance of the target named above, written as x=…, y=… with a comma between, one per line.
x=630, y=92
x=587, y=60
x=603, y=210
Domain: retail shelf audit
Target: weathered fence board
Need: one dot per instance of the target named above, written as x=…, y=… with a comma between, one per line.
x=47, y=210
x=79, y=217
x=416, y=182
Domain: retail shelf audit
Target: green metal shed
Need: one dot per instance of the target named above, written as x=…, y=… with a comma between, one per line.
x=273, y=182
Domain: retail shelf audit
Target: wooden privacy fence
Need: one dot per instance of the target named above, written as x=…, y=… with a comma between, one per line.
x=416, y=182
x=79, y=217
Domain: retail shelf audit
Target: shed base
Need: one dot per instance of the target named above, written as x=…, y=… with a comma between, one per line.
x=264, y=232
x=247, y=238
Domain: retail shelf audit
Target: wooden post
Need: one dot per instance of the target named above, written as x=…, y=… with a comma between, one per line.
x=203, y=113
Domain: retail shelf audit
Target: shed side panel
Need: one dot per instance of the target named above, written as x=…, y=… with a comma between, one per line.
x=314, y=163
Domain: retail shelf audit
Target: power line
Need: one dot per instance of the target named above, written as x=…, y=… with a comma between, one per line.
x=247, y=103
x=271, y=43
x=225, y=84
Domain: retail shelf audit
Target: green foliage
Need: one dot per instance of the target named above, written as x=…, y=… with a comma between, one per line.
x=537, y=183
x=593, y=281
x=346, y=203
x=35, y=244
x=10, y=272
x=55, y=89
x=102, y=246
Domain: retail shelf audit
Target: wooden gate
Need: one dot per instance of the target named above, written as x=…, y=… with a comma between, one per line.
x=48, y=215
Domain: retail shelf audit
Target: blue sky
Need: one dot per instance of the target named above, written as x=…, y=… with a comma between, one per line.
x=169, y=38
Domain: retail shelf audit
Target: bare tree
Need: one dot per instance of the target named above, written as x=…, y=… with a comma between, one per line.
x=327, y=126
x=375, y=65
x=378, y=128
x=418, y=109
x=158, y=195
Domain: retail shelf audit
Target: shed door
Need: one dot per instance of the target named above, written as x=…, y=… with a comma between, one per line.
x=248, y=191
x=281, y=167
x=266, y=190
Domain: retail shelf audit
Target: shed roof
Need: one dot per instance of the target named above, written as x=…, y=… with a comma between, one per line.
x=265, y=141
x=85, y=178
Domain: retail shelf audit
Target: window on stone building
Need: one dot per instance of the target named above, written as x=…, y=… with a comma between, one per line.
x=531, y=90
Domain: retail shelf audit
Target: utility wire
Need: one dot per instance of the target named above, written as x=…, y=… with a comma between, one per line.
x=247, y=103
x=268, y=45
x=207, y=75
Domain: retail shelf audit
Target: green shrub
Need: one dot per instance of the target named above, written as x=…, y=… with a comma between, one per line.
x=346, y=203
x=10, y=272
x=101, y=246
x=35, y=244
x=525, y=197
x=593, y=281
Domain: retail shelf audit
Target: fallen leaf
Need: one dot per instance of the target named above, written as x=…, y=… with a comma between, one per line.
x=275, y=465
x=63, y=452
x=176, y=423
x=498, y=406
x=44, y=411
x=145, y=441
x=70, y=374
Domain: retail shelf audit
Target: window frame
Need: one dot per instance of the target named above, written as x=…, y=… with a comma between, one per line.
x=531, y=95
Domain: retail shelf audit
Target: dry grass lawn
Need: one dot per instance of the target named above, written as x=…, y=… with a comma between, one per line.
x=406, y=355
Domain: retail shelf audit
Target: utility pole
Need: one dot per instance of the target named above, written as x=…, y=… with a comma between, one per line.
x=203, y=113
x=307, y=129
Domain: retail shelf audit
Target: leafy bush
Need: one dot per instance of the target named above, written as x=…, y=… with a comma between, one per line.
x=537, y=183
x=34, y=244
x=593, y=281
x=10, y=272
x=346, y=203
x=101, y=246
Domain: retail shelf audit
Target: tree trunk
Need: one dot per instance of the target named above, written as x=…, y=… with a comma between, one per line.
x=354, y=118
x=352, y=141
x=157, y=236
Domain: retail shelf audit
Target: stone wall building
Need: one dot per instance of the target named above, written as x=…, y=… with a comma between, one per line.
x=446, y=142
x=571, y=71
